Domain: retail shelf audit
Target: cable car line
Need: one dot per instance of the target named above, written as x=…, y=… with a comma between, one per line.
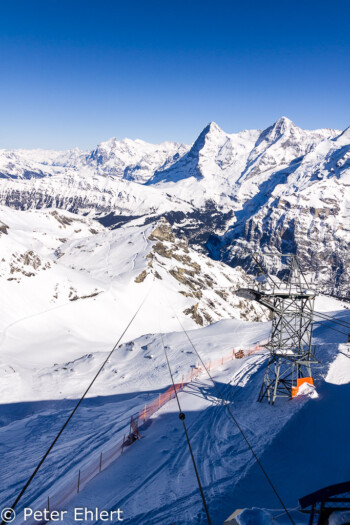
x=182, y=418
x=330, y=327
x=19, y=497
x=322, y=315
x=236, y=422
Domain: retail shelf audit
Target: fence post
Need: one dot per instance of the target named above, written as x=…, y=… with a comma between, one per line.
x=48, y=503
x=100, y=466
x=182, y=382
x=78, y=482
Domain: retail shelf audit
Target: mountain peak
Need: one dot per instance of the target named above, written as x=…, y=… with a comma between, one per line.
x=284, y=121
x=211, y=128
x=282, y=126
x=344, y=136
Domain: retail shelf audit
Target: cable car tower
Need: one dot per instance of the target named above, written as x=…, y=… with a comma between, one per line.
x=291, y=352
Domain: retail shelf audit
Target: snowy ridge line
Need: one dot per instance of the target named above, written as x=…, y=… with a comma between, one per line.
x=71, y=488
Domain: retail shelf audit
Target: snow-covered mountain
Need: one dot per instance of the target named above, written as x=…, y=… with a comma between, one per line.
x=133, y=160
x=126, y=159
x=302, y=208
x=51, y=348
x=280, y=189
x=55, y=265
x=70, y=283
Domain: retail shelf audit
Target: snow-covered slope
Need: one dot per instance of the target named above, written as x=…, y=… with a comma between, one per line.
x=68, y=288
x=280, y=189
x=67, y=292
x=153, y=482
x=56, y=265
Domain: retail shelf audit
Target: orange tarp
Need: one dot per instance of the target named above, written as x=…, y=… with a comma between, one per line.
x=301, y=381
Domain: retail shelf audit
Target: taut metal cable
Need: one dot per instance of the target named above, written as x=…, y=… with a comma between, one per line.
x=326, y=317
x=236, y=423
x=182, y=418
x=13, y=506
x=330, y=327
x=332, y=318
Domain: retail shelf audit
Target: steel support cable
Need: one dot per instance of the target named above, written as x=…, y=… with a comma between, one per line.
x=182, y=418
x=236, y=423
x=330, y=327
x=283, y=513
x=326, y=317
x=14, y=505
x=330, y=320
x=346, y=325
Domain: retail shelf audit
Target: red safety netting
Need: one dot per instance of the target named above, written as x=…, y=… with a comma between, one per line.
x=100, y=462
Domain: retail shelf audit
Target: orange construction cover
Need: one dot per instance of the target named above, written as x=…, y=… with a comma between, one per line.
x=300, y=381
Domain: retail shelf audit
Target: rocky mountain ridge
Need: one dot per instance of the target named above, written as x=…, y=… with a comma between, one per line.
x=51, y=259
x=279, y=189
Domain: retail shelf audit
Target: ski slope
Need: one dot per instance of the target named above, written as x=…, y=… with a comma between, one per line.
x=67, y=294
x=153, y=482
x=293, y=440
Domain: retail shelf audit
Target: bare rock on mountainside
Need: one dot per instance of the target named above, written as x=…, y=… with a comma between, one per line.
x=162, y=232
x=210, y=285
x=3, y=228
x=29, y=242
x=43, y=267
x=283, y=189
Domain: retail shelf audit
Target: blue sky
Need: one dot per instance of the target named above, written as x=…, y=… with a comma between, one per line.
x=75, y=73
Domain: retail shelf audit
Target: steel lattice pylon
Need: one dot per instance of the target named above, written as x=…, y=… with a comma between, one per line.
x=290, y=346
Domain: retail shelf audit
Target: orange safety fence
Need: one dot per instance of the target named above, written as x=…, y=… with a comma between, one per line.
x=72, y=487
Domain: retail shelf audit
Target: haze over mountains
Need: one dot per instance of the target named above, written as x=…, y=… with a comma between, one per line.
x=279, y=190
